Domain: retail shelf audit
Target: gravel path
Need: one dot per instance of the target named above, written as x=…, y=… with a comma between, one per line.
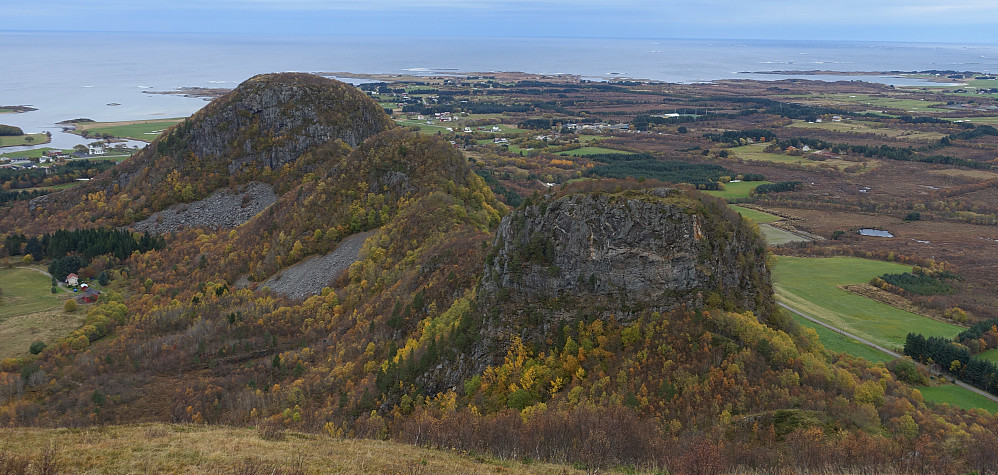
x=308, y=277
x=223, y=209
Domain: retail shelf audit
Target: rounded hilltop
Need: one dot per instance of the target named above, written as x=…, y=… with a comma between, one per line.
x=270, y=120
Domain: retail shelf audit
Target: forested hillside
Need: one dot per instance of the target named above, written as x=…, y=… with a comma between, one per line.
x=605, y=323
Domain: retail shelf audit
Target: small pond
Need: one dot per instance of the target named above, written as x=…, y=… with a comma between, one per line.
x=875, y=232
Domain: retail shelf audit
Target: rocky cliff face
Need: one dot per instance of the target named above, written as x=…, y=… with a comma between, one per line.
x=272, y=119
x=612, y=255
x=653, y=248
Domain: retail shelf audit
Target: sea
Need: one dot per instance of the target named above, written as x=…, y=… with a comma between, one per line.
x=109, y=76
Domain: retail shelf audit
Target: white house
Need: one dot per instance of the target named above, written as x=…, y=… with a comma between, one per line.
x=96, y=149
x=72, y=279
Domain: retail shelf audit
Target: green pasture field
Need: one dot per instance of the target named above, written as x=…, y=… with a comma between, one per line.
x=33, y=153
x=977, y=120
x=737, y=190
x=26, y=291
x=586, y=151
x=838, y=343
x=14, y=140
x=957, y=396
x=427, y=129
x=888, y=102
x=776, y=236
x=31, y=312
x=990, y=355
x=867, y=127
x=812, y=286
x=457, y=126
x=982, y=83
x=758, y=217
x=144, y=130
x=755, y=152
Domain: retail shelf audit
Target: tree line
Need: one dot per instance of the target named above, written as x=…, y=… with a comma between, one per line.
x=953, y=358
x=88, y=243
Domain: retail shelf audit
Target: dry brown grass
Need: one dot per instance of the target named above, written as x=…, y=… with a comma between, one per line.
x=171, y=448
x=966, y=173
x=19, y=331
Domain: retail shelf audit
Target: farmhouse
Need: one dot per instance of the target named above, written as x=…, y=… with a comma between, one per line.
x=88, y=294
x=72, y=279
x=96, y=149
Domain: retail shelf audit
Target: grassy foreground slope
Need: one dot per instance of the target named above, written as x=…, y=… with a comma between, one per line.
x=183, y=448
x=811, y=285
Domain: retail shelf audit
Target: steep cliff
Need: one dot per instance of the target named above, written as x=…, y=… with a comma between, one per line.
x=613, y=255
x=272, y=119
x=267, y=122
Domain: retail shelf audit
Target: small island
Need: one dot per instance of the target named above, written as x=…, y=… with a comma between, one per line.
x=15, y=109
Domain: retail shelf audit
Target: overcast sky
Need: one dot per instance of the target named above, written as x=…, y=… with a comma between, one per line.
x=958, y=21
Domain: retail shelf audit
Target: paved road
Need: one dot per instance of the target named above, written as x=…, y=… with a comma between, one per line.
x=889, y=352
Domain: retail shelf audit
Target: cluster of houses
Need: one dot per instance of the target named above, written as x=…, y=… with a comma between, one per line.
x=51, y=156
x=87, y=294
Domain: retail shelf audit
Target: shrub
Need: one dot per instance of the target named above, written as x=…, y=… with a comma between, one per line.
x=69, y=306
x=37, y=347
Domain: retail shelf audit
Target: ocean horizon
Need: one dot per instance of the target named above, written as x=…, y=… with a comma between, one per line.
x=104, y=76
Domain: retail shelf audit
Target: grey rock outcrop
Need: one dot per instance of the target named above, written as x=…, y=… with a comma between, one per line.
x=611, y=256
x=225, y=208
x=652, y=249
x=308, y=277
x=272, y=119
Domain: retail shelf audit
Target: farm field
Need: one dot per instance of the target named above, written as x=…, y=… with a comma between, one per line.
x=948, y=393
x=755, y=152
x=811, y=285
x=756, y=216
x=865, y=127
x=839, y=343
x=957, y=396
x=143, y=130
x=13, y=140
x=33, y=153
x=741, y=189
x=902, y=104
x=776, y=236
x=30, y=312
x=979, y=120
x=990, y=355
